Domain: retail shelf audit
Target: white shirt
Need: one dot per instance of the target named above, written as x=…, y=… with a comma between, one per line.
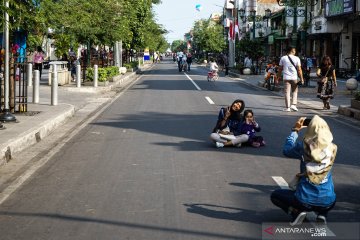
x=289, y=71
x=247, y=62
x=213, y=66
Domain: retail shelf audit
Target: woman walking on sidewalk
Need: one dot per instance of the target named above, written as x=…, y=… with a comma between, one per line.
x=327, y=81
x=38, y=59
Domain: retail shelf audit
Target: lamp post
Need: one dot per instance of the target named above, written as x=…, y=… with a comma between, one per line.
x=296, y=12
x=252, y=15
x=267, y=16
x=6, y=116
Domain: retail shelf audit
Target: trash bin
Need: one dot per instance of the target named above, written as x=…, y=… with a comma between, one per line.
x=63, y=73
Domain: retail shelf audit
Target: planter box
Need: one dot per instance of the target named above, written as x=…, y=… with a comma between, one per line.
x=355, y=104
x=101, y=84
x=116, y=78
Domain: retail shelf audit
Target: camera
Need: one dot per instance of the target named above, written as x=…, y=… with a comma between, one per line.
x=306, y=122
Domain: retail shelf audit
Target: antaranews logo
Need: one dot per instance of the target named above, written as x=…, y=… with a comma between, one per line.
x=269, y=230
x=299, y=232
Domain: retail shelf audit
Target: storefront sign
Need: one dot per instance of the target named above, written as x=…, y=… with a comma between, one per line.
x=338, y=7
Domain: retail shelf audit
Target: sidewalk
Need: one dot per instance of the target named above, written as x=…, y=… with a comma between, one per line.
x=41, y=119
x=307, y=95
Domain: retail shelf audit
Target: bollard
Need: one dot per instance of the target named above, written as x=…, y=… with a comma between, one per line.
x=36, y=86
x=78, y=75
x=29, y=74
x=54, y=86
x=96, y=75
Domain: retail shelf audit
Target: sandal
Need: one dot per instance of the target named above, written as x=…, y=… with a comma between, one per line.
x=328, y=105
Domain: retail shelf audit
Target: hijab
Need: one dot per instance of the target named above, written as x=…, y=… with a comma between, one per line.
x=319, y=151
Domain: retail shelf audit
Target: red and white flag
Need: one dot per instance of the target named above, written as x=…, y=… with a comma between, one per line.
x=231, y=31
x=236, y=29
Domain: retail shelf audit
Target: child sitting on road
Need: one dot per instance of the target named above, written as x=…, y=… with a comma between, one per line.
x=249, y=127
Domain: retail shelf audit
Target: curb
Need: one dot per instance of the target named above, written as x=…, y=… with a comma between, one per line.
x=35, y=134
x=49, y=121
x=100, y=89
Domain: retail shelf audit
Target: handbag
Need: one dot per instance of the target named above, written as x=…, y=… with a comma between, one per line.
x=325, y=78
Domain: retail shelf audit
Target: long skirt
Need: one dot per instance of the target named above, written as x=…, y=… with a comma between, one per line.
x=325, y=90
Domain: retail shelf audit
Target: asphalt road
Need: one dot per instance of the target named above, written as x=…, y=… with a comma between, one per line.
x=146, y=169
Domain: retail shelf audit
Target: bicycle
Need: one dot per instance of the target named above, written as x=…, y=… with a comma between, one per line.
x=350, y=71
x=212, y=76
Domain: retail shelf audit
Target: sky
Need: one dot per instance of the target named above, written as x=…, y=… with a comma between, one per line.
x=178, y=16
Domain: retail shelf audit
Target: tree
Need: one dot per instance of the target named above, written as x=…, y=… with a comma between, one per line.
x=178, y=45
x=208, y=36
x=95, y=22
x=253, y=48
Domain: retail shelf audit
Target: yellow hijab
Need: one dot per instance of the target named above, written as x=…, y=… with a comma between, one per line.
x=319, y=151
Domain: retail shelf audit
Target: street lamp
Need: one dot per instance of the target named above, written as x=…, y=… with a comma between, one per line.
x=295, y=12
x=267, y=16
x=252, y=15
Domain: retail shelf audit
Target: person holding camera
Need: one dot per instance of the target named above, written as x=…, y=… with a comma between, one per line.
x=312, y=190
x=290, y=67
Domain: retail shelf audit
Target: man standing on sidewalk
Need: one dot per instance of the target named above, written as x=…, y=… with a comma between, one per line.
x=290, y=66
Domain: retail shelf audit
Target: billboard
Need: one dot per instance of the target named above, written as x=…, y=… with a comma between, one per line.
x=339, y=7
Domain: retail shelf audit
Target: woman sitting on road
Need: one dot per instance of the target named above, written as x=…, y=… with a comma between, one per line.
x=227, y=130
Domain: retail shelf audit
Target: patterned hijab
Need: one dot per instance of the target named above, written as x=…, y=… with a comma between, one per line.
x=319, y=151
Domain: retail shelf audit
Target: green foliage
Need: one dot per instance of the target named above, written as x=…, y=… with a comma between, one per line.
x=104, y=74
x=178, y=45
x=112, y=71
x=130, y=65
x=357, y=95
x=62, y=44
x=253, y=48
x=208, y=36
x=100, y=22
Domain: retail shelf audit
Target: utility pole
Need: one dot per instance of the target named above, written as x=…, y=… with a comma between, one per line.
x=6, y=116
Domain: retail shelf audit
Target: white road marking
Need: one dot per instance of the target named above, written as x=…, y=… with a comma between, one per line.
x=281, y=182
x=197, y=87
x=209, y=100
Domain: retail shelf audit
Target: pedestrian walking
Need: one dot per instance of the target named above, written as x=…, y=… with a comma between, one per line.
x=312, y=190
x=326, y=82
x=38, y=59
x=189, y=61
x=226, y=64
x=227, y=131
x=290, y=67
